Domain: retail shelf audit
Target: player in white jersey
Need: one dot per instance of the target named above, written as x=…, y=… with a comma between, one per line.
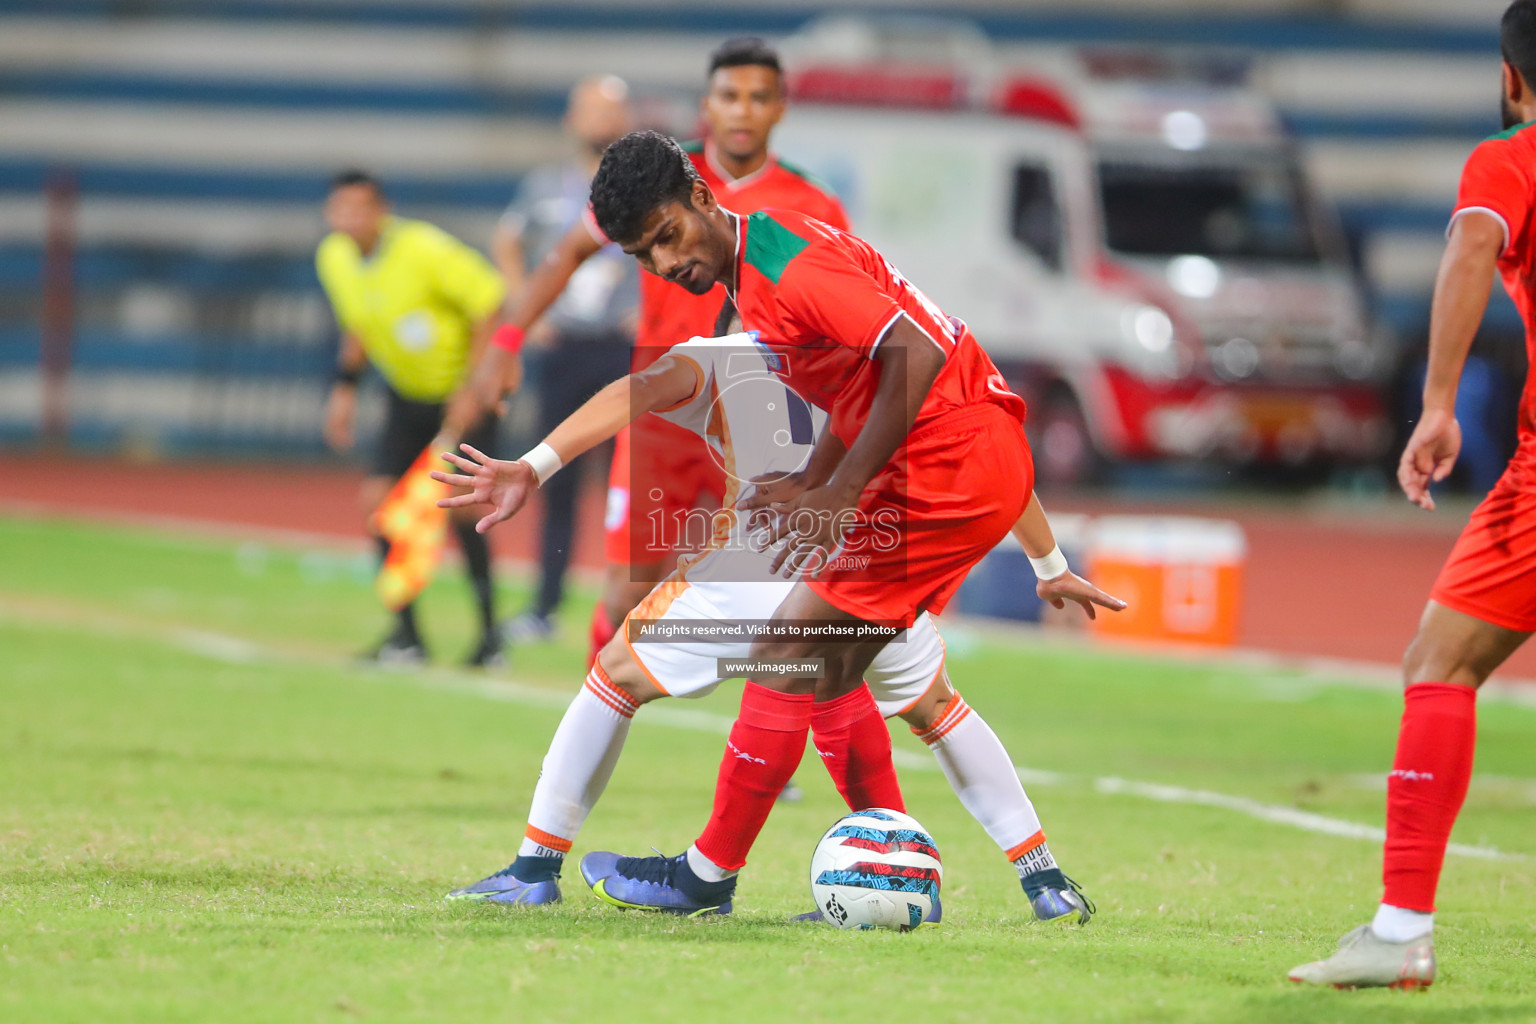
x=726, y=389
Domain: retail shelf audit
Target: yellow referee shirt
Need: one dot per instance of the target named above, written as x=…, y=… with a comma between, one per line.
x=413, y=304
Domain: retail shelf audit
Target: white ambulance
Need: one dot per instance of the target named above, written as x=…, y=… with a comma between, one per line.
x=1140, y=251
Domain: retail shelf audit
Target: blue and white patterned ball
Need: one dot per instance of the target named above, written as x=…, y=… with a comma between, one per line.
x=876, y=869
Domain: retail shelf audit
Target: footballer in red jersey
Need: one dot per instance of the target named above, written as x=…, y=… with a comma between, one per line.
x=930, y=469
x=660, y=472
x=825, y=301
x=1483, y=605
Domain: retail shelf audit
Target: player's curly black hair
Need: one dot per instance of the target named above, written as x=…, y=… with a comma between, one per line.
x=744, y=51
x=1517, y=38
x=639, y=172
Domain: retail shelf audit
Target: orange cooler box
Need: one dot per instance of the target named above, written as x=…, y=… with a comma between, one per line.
x=1182, y=576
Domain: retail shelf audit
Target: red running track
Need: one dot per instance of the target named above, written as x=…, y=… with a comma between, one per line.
x=1320, y=584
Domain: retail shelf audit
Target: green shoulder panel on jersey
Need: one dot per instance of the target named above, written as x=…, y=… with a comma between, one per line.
x=771, y=245
x=807, y=177
x=692, y=145
x=1510, y=133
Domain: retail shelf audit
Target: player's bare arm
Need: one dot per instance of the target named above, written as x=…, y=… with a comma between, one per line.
x=1034, y=534
x=341, y=404
x=1461, y=295
x=507, y=251
x=507, y=485
x=909, y=363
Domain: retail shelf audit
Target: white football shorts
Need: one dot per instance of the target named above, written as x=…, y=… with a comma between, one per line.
x=899, y=676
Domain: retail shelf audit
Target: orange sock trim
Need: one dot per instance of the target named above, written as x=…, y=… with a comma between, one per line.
x=603, y=689
x=1038, y=839
x=543, y=838
x=953, y=714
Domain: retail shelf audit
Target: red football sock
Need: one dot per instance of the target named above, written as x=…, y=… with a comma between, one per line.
x=760, y=757
x=1426, y=788
x=599, y=633
x=854, y=744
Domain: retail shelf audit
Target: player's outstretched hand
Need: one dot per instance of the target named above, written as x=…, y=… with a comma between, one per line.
x=488, y=481
x=773, y=489
x=1069, y=586
x=1430, y=455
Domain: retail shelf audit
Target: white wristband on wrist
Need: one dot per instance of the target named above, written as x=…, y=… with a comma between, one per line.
x=1051, y=566
x=543, y=460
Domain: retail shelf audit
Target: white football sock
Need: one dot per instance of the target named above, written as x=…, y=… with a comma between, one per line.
x=983, y=777
x=577, y=766
x=705, y=868
x=1395, y=924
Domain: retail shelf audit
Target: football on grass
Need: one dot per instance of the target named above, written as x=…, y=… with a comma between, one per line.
x=876, y=869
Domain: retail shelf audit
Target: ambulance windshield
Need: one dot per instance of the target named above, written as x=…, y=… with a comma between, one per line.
x=1245, y=209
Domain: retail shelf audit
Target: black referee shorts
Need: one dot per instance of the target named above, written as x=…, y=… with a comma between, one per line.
x=410, y=426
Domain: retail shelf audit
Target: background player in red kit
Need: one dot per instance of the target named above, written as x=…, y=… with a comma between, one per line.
x=1483, y=605
x=936, y=468
x=660, y=471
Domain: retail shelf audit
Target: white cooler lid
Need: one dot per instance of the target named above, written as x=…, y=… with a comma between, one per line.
x=1167, y=540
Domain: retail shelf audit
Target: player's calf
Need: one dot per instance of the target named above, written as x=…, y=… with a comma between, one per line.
x=576, y=770
x=983, y=776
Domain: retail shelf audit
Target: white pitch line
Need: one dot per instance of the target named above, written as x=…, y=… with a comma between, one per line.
x=235, y=650
x=672, y=715
x=1305, y=820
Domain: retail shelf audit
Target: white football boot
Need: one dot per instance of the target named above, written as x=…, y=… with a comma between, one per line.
x=1365, y=961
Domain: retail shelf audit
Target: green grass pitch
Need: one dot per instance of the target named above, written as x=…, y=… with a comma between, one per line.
x=207, y=814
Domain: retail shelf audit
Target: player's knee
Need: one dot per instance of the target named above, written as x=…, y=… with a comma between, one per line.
x=625, y=673
x=925, y=714
x=1429, y=659
x=781, y=651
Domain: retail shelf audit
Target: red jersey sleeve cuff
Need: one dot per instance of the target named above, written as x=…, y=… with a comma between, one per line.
x=885, y=329
x=1490, y=211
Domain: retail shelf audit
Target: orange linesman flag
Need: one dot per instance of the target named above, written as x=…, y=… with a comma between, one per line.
x=416, y=529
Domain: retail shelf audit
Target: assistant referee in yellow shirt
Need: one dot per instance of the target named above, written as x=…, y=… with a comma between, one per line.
x=419, y=305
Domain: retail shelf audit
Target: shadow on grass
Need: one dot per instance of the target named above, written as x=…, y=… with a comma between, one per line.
x=1326, y=1005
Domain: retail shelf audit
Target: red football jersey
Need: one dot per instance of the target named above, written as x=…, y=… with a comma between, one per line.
x=669, y=313
x=823, y=300
x=1500, y=179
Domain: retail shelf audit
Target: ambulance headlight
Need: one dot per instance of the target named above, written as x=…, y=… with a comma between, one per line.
x=1150, y=328
x=1149, y=341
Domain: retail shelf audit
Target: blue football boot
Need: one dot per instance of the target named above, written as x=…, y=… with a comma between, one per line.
x=665, y=884
x=935, y=915
x=505, y=887
x=1055, y=897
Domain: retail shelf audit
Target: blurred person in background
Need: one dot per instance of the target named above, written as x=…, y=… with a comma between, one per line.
x=660, y=471
x=1483, y=604
x=583, y=341
x=418, y=305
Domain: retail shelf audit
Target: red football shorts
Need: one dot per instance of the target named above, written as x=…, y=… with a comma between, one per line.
x=949, y=496
x=1491, y=572
x=661, y=474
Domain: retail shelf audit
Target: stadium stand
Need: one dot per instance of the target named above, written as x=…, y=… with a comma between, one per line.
x=198, y=137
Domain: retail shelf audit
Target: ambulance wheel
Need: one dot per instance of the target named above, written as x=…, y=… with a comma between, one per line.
x=1062, y=443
